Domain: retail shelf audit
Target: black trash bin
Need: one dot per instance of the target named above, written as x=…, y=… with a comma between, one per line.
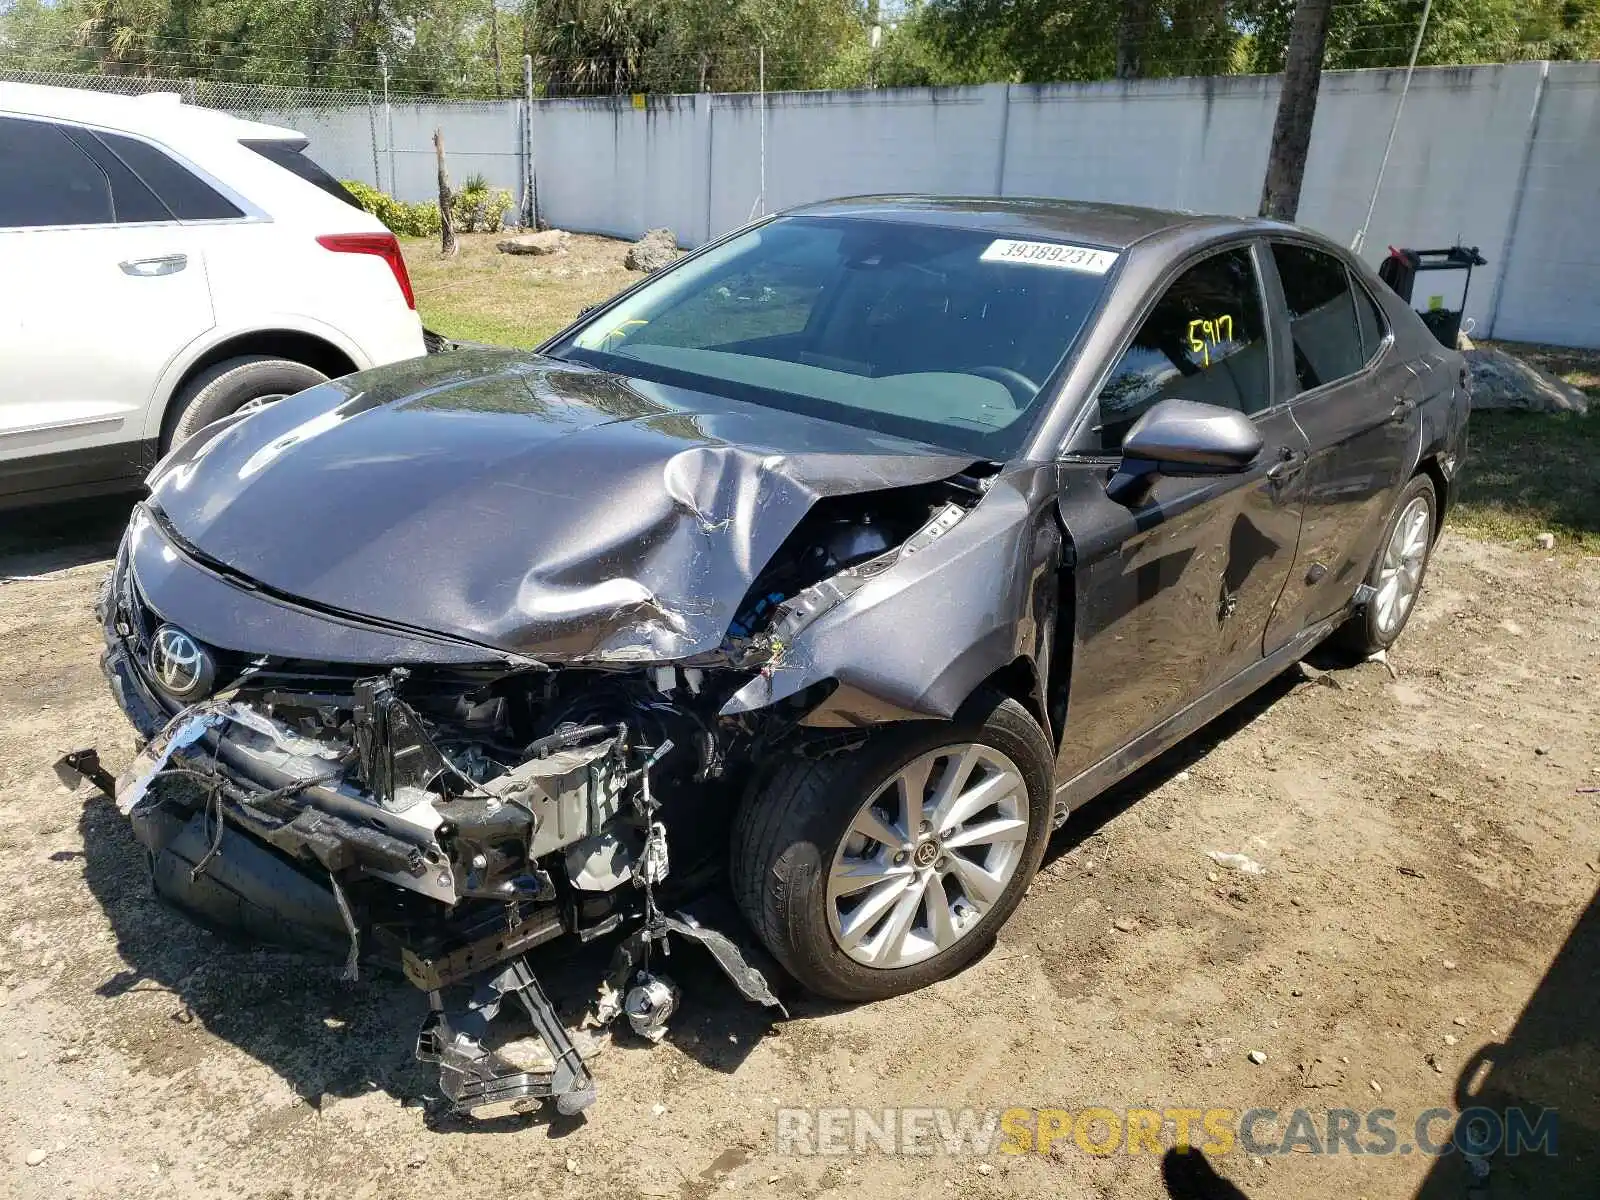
x=1400, y=271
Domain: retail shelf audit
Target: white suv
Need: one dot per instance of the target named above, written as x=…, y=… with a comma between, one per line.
x=162, y=266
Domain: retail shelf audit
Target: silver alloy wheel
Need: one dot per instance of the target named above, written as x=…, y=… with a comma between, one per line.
x=1403, y=559
x=927, y=855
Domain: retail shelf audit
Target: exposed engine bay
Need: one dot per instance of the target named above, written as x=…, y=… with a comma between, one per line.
x=450, y=818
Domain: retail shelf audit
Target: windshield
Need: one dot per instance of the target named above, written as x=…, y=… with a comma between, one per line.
x=938, y=334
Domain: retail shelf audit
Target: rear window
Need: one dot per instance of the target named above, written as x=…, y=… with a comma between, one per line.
x=185, y=194
x=292, y=157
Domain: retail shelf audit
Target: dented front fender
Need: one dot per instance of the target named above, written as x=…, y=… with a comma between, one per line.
x=917, y=638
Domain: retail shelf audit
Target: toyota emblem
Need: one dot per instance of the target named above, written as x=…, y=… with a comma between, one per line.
x=181, y=666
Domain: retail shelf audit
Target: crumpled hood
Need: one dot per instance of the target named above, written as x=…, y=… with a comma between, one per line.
x=527, y=504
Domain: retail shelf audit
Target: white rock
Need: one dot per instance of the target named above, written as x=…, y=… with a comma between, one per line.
x=35, y=1157
x=549, y=241
x=1242, y=863
x=1545, y=541
x=1258, y=1057
x=985, y=1169
x=654, y=250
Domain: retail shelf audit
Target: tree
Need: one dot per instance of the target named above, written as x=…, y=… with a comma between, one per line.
x=447, y=222
x=1131, y=23
x=448, y=47
x=1297, y=107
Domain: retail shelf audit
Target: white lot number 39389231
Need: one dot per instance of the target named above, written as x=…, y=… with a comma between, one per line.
x=1051, y=254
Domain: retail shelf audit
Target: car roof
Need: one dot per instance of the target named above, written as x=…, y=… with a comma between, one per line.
x=1114, y=226
x=155, y=115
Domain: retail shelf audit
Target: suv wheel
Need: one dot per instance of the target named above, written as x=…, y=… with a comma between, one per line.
x=876, y=872
x=249, y=381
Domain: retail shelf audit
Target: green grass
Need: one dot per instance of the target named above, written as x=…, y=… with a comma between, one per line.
x=1526, y=473
x=1529, y=473
x=482, y=295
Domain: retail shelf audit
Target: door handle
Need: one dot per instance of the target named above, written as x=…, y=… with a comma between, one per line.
x=1289, y=463
x=149, y=268
x=1402, y=410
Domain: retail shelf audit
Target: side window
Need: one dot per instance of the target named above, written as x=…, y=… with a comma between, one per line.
x=1370, y=317
x=131, y=200
x=189, y=197
x=1323, y=324
x=1205, y=340
x=47, y=180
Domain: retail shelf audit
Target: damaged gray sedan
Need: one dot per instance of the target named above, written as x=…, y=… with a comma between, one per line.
x=842, y=559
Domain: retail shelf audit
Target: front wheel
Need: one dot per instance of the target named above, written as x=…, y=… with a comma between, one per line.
x=879, y=871
x=1397, y=573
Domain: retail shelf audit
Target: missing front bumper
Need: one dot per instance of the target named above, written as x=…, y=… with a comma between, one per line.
x=275, y=876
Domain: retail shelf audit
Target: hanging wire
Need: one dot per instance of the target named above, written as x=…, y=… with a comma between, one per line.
x=1360, y=240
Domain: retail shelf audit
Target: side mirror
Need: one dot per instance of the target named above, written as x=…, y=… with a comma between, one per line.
x=1183, y=438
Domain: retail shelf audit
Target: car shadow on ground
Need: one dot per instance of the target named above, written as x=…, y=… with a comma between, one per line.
x=329, y=1039
x=56, y=537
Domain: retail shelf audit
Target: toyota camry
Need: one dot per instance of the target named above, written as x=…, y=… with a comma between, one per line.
x=843, y=559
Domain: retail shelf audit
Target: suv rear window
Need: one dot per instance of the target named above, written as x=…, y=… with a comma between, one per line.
x=189, y=197
x=291, y=156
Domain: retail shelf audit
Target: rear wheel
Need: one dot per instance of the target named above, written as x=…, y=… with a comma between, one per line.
x=1397, y=572
x=876, y=872
x=233, y=385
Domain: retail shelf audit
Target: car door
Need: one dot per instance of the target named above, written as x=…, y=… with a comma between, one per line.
x=1172, y=594
x=1354, y=397
x=103, y=286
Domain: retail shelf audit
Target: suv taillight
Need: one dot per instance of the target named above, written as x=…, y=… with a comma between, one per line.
x=383, y=245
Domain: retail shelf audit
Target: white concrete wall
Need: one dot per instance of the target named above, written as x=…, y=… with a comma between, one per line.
x=1452, y=175
x=1551, y=287
x=605, y=167
x=479, y=139
x=1506, y=158
x=1198, y=144
x=824, y=144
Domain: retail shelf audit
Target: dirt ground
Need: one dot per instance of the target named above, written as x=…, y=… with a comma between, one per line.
x=1425, y=926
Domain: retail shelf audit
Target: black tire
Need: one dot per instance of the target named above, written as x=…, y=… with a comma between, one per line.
x=1360, y=636
x=228, y=386
x=789, y=826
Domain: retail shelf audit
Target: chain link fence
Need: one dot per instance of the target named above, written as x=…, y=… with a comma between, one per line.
x=241, y=98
